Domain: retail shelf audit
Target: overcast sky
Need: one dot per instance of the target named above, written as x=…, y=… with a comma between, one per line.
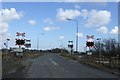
x=35, y=18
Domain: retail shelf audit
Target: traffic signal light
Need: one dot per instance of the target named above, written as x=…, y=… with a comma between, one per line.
x=90, y=44
x=70, y=46
x=20, y=42
x=28, y=45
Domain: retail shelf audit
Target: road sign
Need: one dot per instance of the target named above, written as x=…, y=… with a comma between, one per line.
x=89, y=53
x=92, y=37
x=20, y=34
x=17, y=50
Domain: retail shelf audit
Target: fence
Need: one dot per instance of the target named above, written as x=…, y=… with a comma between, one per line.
x=112, y=62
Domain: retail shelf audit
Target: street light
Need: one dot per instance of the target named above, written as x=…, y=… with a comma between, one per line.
x=76, y=32
x=38, y=40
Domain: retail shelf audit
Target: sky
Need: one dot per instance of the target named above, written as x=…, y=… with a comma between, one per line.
x=35, y=18
x=60, y=0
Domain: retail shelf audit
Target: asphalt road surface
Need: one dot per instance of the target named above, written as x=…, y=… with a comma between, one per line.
x=53, y=66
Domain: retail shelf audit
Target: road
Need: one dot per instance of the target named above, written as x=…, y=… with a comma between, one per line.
x=53, y=66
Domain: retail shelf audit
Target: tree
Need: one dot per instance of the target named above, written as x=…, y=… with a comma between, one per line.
x=58, y=50
x=108, y=47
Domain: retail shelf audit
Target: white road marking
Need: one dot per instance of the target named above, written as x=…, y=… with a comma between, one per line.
x=53, y=62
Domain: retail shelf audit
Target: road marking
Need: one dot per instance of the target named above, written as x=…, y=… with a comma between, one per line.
x=53, y=62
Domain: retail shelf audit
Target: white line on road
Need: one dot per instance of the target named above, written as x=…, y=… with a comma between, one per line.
x=53, y=62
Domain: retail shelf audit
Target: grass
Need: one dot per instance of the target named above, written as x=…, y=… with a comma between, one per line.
x=69, y=56
x=88, y=62
x=33, y=55
x=10, y=66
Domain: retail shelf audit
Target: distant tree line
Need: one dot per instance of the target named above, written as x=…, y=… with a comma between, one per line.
x=59, y=50
x=54, y=50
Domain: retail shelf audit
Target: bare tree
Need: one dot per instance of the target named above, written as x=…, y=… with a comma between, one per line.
x=109, y=47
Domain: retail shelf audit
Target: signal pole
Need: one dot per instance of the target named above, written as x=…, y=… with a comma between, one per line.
x=99, y=42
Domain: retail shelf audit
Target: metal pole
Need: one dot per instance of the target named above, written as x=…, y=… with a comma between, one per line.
x=76, y=33
x=99, y=51
x=77, y=37
x=85, y=49
x=37, y=41
x=99, y=39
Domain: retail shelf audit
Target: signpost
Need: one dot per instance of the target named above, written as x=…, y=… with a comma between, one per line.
x=90, y=43
x=19, y=42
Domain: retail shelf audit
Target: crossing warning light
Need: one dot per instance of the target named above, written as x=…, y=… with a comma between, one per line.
x=89, y=44
x=20, y=41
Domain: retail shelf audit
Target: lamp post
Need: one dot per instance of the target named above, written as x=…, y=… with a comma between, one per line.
x=76, y=32
x=38, y=40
